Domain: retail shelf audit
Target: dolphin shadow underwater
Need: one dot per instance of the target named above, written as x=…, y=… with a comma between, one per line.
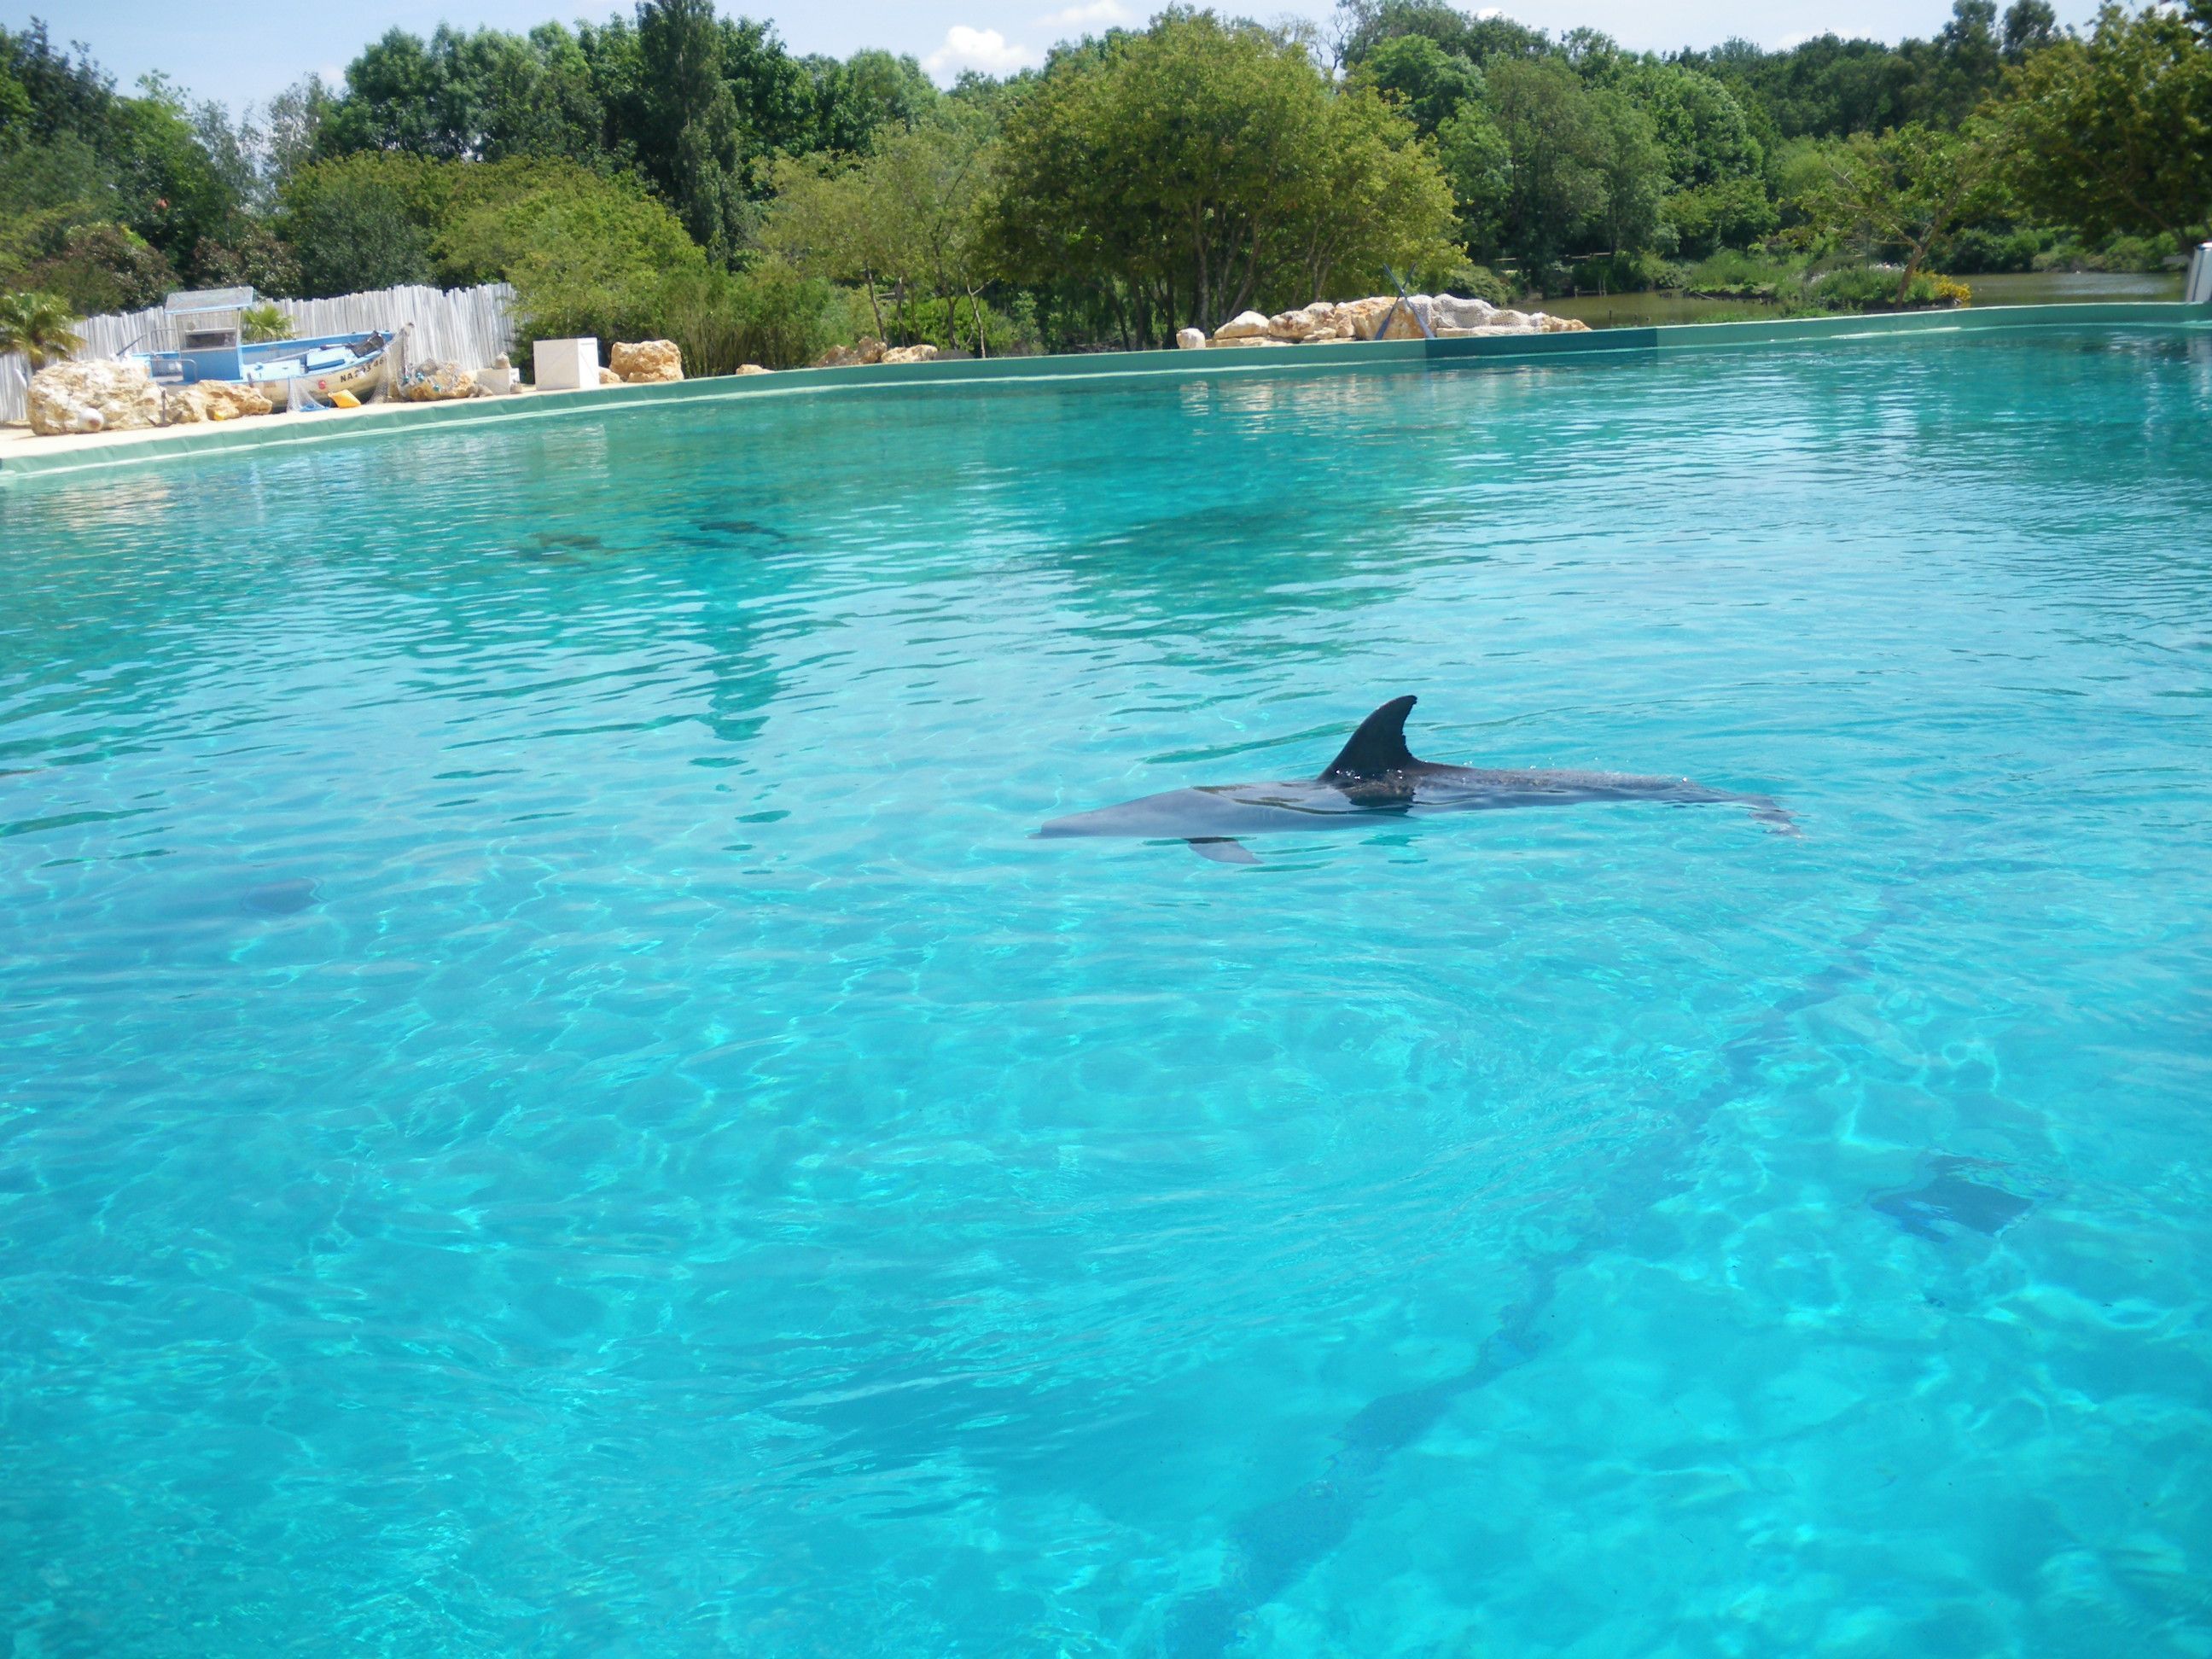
x=1377, y=777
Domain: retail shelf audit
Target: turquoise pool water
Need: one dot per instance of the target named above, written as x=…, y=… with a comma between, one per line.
x=551, y=1106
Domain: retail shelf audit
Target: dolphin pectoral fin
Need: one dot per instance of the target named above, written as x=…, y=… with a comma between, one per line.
x=1222, y=849
x=1766, y=810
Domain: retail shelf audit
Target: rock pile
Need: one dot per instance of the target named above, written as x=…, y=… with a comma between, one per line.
x=869, y=349
x=116, y=395
x=866, y=350
x=1381, y=316
x=211, y=400
x=101, y=396
x=645, y=362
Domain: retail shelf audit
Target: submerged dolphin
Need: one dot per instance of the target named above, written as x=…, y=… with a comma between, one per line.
x=1375, y=777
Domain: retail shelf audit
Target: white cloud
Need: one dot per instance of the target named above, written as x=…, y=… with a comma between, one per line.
x=1099, y=14
x=976, y=49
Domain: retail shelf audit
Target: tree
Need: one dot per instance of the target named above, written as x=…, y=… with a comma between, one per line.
x=1182, y=175
x=1902, y=192
x=1429, y=83
x=2113, y=133
x=260, y=323
x=39, y=326
x=1963, y=68
x=1374, y=200
x=364, y=221
x=1541, y=116
x=908, y=218
x=1707, y=135
x=1366, y=24
x=692, y=142
x=2029, y=26
x=1479, y=169
x=1625, y=156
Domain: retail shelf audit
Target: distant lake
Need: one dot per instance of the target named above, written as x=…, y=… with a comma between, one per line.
x=2024, y=288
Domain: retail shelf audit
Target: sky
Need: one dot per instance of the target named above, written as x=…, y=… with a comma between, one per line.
x=243, y=55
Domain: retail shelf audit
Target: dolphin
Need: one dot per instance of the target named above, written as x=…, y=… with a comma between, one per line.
x=1376, y=776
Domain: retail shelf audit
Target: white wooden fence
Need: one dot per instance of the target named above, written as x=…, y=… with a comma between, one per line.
x=468, y=326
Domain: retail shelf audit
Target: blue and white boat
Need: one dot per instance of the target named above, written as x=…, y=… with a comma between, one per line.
x=207, y=343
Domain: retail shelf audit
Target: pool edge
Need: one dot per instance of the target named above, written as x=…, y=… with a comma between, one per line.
x=393, y=419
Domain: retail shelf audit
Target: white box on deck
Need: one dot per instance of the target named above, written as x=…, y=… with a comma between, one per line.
x=565, y=365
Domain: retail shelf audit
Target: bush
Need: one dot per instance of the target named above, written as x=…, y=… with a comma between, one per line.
x=1474, y=282
x=1874, y=287
x=719, y=320
x=93, y=269
x=364, y=221
x=1976, y=249
x=248, y=254
x=259, y=323
x=1625, y=273
x=1732, y=213
x=770, y=315
x=1732, y=273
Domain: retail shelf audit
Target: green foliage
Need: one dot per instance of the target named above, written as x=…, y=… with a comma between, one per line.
x=92, y=265
x=2113, y=133
x=263, y=322
x=1428, y=82
x=630, y=169
x=1733, y=273
x=910, y=218
x=1707, y=136
x=1900, y=193
x=364, y=221
x=551, y=220
x=690, y=143
x=39, y=325
x=1474, y=282
x=1626, y=272
x=248, y=253
x=1978, y=248
x=1731, y=213
x=1868, y=288
x=2140, y=253
x=1478, y=39
x=771, y=315
x=1537, y=151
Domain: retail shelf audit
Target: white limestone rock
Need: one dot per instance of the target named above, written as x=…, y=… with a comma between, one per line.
x=1449, y=311
x=912, y=353
x=1190, y=339
x=103, y=395
x=645, y=363
x=1304, y=323
x=1244, y=326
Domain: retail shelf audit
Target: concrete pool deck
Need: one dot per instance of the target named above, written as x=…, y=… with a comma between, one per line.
x=23, y=457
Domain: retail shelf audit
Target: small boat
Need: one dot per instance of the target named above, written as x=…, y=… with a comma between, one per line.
x=206, y=328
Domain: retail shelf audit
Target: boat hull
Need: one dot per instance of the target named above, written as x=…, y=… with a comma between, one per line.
x=367, y=378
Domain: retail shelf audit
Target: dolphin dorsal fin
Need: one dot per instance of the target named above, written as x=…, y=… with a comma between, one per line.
x=1378, y=746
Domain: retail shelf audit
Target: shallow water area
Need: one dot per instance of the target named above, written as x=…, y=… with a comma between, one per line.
x=551, y=1103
